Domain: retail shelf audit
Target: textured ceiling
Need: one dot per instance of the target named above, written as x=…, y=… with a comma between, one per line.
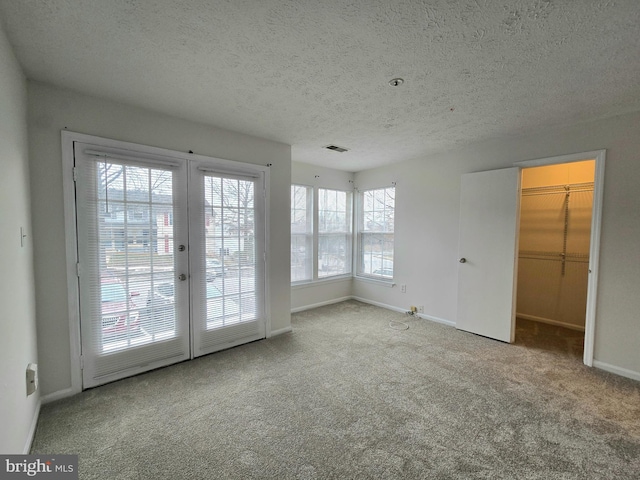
x=316, y=72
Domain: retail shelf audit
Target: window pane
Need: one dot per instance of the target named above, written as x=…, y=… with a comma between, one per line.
x=377, y=217
x=230, y=251
x=301, y=248
x=134, y=250
x=301, y=233
x=333, y=255
x=334, y=232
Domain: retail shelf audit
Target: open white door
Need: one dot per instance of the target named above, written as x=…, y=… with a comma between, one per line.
x=488, y=246
x=227, y=236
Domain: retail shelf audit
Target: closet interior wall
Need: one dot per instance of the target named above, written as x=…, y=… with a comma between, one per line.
x=555, y=229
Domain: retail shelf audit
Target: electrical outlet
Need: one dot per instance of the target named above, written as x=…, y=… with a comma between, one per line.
x=413, y=309
x=403, y=288
x=32, y=378
x=420, y=308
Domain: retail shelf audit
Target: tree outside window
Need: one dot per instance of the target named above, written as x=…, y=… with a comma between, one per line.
x=334, y=232
x=301, y=233
x=376, y=232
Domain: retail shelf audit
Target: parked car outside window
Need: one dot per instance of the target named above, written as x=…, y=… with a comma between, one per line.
x=119, y=313
x=161, y=306
x=214, y=268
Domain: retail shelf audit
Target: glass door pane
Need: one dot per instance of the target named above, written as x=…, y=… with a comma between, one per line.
x=134, y=308
x=227, y=267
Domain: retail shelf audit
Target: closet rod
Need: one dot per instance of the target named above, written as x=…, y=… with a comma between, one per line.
x=554, y=189
x=555, y=256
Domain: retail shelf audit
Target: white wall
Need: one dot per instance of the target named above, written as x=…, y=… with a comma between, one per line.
x=324, y=291
x=427, y=211
x=17, y=322
x=51, y=110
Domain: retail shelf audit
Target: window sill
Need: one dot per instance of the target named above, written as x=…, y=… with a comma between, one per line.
x=320, y=281
x=376, y=281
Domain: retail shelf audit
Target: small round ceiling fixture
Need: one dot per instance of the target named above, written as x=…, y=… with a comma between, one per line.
x=396, y=82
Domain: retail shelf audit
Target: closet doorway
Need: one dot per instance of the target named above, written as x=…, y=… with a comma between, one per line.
x=556, y=208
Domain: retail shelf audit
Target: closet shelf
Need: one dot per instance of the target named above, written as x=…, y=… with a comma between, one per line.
x=564, y=189
x=554, y=256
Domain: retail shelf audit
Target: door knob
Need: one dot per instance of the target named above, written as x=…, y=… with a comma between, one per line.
x=463, y=260
x=182, y=277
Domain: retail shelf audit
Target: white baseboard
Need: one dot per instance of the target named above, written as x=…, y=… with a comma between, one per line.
x=437, y=320
x=321, y=304
x=379, y=304
x=404, y=310
x=617, y=370
x=549, y=321
x=32, y=429
x=52, y=397
x=280, y=331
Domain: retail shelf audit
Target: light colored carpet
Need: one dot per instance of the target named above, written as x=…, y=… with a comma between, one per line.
x=345, y=396
x=550, y=337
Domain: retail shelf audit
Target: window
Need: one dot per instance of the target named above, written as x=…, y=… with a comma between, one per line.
x=334, y=233
x=301, y=233
x=320, y=233
x=375, y=232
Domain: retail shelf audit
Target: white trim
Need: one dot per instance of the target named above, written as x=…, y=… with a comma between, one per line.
x=229, y=173
x=404, y=310
x=321, y=304
x=437, y=320
x=594, y=249
x=32, y=429
x=379, y=304
x=570, y=158
x=550, y=321
x=375, y=281
x=59, y=395
x=281, y=331
x=144, y=160
x=594, y=260
x=316, y=283
x=623, y=372
x=71, y=246
x=266, y=184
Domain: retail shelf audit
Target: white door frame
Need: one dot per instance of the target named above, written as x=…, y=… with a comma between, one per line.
x=71, y=242
x=594, y=247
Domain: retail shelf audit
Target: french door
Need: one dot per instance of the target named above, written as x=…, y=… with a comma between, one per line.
x=170, y=260
x=227, y=245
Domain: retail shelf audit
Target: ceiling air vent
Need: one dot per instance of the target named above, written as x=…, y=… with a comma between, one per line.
x=336, y=148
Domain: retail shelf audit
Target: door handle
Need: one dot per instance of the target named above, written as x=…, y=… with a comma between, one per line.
x=463, y=260
x=182, y=277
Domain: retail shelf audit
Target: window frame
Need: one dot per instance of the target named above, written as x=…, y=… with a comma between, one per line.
x=316, y=235
x=347, y=233
x=362, y=234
